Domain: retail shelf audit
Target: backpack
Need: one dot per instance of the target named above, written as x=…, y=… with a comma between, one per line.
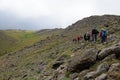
x=104, y=33
x=86, y=36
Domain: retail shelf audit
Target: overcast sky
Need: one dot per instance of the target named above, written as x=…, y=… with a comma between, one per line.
x=42, y=14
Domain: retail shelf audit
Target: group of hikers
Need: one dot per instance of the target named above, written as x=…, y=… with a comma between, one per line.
x=93, y=35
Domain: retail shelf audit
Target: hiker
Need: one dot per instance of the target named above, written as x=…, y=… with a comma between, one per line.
x=103, y=35
x=87, y=36
x=94, y=34
x=74, y=40
x=79, y=38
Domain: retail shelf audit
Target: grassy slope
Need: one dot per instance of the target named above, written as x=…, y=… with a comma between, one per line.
x=29, y=62
x=29, y=58
x=14, y=40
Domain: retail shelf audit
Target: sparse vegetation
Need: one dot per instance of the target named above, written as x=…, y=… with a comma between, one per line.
x=29, y=55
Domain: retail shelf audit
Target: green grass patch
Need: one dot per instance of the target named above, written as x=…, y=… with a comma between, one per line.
x=14, y=40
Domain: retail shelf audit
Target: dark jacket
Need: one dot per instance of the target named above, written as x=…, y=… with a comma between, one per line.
x=95, y=31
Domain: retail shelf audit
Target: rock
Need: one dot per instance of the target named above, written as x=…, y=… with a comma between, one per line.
x=62, y=58
x=25, y=75
x=102, y=68
x=115, y=49
x=104, y=53
x=114, y=67
x=110, y=57
x=55, y=75
x=113, y=76
x=49, y=78
x=9, y=77
x=41, y=67
x=77, y=78
x=60, y=76
x=84, y=72
x=73, y=76
x=62, y=70
x=90, y=75
x=59, y=61
x=111, y=38
x=102, y=77
x=114, y=72
x=118, y=44
x=62, y=67
x=59, y=73
x=82, y=61
x=57, y=64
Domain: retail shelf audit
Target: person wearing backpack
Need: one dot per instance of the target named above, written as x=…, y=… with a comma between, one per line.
x=87, y=36
x=103, y=35
x=95, y=32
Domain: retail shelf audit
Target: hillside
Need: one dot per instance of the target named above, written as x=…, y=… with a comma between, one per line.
x=14, y=40
x=51, y=54
x=86, y=24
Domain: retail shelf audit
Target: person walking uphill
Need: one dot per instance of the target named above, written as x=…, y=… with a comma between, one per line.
x=94, y=34
x=87, y=36
x=103, y=35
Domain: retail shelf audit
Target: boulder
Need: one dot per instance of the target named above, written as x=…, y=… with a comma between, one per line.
x=102, y=77
x=114, y=72
x=110, y=57
x=104, y=53
x=82, y=61
x=114, y=67
x=102, y=68
x=115, y=49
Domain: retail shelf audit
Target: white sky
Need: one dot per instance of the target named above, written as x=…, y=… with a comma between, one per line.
x=40, y=14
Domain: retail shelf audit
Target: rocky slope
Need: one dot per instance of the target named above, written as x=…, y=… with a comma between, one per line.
x=107, y=61
x=56, y=57
x=86, y=24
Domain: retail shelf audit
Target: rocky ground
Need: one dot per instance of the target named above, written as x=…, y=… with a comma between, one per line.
x=56, y=57
x=106, y=63
x=90, y=61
